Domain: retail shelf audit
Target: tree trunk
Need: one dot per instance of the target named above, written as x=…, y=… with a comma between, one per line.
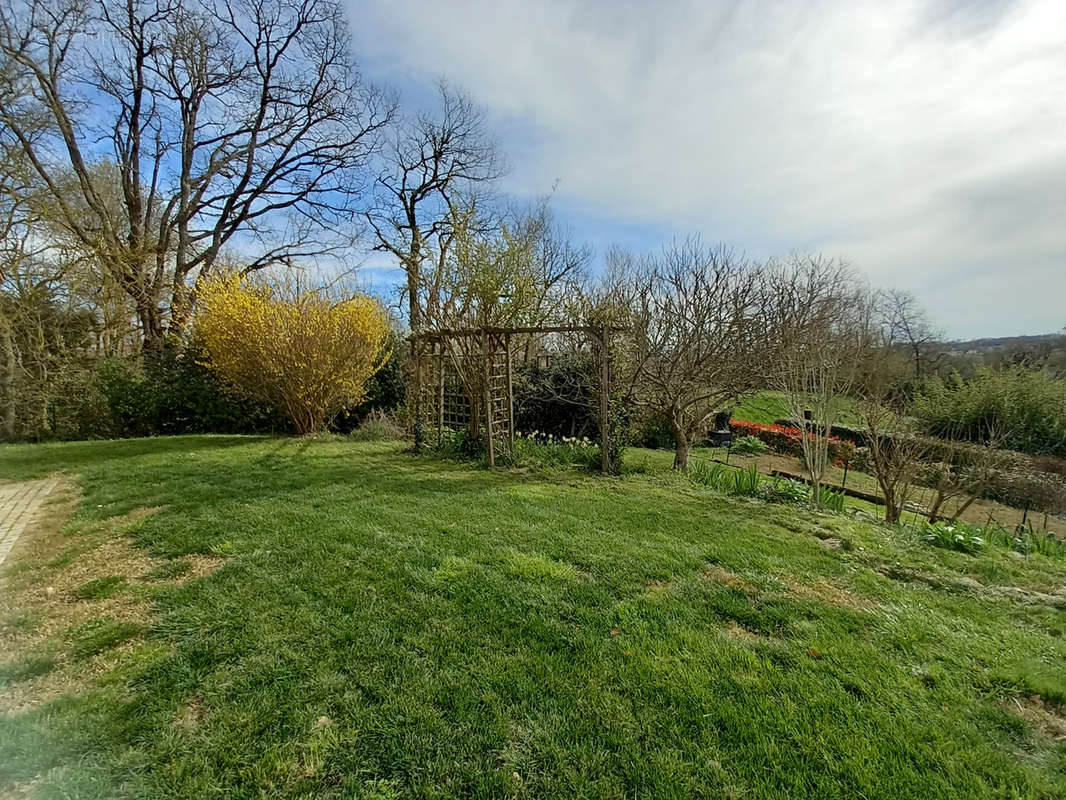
x=892, y=508
x=681, y=446
x=8, y=384
x=934, y=509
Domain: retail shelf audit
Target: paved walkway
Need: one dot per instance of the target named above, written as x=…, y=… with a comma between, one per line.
x=18, y=506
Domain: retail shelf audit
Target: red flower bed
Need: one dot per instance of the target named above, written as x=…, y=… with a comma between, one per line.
x=788, y=440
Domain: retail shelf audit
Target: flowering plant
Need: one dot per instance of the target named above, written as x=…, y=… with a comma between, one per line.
x=789, y=441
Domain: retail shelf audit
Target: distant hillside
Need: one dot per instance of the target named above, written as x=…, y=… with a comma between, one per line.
x=1044, y=341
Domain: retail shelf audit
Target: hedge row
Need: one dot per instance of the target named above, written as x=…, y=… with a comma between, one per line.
x=788, y=440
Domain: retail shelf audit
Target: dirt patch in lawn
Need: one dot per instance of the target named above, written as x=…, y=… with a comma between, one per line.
x=1048, y=719
x=719, y=574
x=737, y=631
x=824, y=591
x=76, y=599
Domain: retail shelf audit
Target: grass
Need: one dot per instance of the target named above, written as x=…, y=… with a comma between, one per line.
x=390, y=626
x=768, y=406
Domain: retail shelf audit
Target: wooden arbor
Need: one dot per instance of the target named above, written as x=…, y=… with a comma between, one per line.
x=464, y=377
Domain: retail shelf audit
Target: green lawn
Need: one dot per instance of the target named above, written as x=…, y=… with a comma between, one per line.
x=381, y=625
x=769, y=406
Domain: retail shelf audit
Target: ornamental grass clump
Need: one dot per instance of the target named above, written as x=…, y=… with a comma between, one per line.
x=308, y=356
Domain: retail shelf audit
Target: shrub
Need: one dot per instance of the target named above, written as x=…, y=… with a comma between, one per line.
x=379, y=426
x=308, y=357
x=954, y=536
x=1028, y=407
x=174, y=393
x=555, y=397
x=783, y=490
x=787, y=441
x=749, y=446
x=545, y=450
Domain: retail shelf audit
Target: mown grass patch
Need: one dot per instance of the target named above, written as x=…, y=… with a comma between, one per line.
x=402, y=627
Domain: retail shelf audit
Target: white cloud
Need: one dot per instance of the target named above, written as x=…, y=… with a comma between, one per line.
x=924, y=141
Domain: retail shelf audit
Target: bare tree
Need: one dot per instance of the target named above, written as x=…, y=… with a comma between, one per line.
x=909, y=327
x=227, y=123
x=822, y=322
x=698, y=332
x=962, y=471
x=435, y=166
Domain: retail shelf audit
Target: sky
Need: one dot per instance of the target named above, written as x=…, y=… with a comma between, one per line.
x=922, y=141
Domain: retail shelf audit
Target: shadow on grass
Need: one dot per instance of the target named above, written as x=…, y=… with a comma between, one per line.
x=25, y=461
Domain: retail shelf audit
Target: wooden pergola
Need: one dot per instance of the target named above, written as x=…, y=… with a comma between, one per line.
x=438, y=389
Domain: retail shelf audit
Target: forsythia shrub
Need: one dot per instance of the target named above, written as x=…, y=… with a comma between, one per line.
x=308, y=357
x=786, y=440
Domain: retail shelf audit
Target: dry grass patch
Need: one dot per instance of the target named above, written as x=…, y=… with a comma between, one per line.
x=735, y=630
x=719, y=574
x=1046, y=718
x=75, y=600
x=824, y=591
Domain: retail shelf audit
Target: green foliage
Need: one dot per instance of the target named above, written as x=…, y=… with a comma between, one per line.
x=102, y=634
x=100, y=588
x=584, y=634
x=653, y=431
x=386, y=390
x=555, y=397
x=830, y=499
x=746, y=482
x=23, y=669
x=749, y=446
x=750, y=483
x=953, y=536
x=1020, y=540
x=783, y=490
x=175, y=393
x=544, y=450
x=379, y=426
x=1027, y=407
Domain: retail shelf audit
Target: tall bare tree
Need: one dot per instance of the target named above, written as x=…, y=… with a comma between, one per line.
x=698, y=332
x=227, y=123
x=822, y=327
x=435, y=167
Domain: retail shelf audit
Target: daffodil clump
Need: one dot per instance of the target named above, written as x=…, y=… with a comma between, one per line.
x=309, y=357
x=546, y=449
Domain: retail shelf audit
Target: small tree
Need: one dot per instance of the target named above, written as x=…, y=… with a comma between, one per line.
x=307, y=356
x=698, y=332
x=963, y=472
x=823, y=323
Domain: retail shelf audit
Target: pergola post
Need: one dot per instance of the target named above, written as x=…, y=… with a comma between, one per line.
x=510, y=388
x=486, y=377
x=605, y=401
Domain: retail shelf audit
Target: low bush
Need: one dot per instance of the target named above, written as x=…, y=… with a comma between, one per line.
x=749, y=446
x=379, y=426
x=751, y=483
x=547, y=451
x=954, y=536
x=967, y=538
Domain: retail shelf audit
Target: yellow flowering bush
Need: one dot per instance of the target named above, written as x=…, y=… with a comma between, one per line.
x=310, y=357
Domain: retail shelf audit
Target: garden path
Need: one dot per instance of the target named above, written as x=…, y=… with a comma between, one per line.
x=18, y=506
